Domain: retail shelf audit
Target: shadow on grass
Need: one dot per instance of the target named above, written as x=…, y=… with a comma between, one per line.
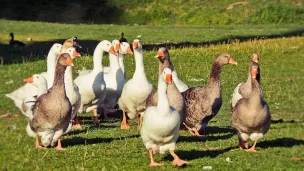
x=39, y=50
x=197, y=154
x=215, y=129
x=282, y=121
x=204, y=138
x=87, y=141
x=280, y=142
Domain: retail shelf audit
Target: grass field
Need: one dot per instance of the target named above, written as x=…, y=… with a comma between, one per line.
x=106, y=147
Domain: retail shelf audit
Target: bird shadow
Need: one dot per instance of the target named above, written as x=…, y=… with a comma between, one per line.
x=277, y=121
x=197, y=154
x=215, y=130
x=204, y=138
x=88, y=141
x=280, y=142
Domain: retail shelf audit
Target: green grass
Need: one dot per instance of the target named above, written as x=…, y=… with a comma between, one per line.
x=106, y=147
x=45, y=34
x=157, y=12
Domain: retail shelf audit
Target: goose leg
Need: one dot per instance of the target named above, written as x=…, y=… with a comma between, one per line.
x=140, y=121
x=59, y=147
x=37, y=143
x=95, y=120
x=124, y=123
x=252, y=149
x=243, y=144
x=152, y=162
x=76, y=124
x=177, y=161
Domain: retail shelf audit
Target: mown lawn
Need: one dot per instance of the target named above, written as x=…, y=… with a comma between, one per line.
x=106, y=147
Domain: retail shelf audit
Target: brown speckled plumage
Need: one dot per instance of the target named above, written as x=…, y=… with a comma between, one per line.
x=251, y=114
x=203, y=103
x=52, y=110
x=175, y=98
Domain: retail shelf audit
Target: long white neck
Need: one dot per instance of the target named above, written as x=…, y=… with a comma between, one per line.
x=121, y=62
x=175, y=77
x=68, y=79
x=114, y=65
x=163, y=106
x=139, y=68
x=97, y=59
x=51, y=62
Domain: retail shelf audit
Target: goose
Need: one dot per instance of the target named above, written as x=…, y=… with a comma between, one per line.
x=133, y=99
x=39, y=81
x=29, y=90
x=203, y=103
x=176, y=100
x=92, y=87
x=122, y=38
x=14, y=42
x=52, y=111
x=243, y=89
x=251, y=117
x=164, y=58
x=160, y=128
x=114, y=78
x=124, y=49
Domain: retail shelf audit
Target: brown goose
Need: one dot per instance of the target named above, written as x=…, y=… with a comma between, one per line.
x=243, y=89
x=176, y=100
x=203, y=103
x=52, y=111
x=251, y=117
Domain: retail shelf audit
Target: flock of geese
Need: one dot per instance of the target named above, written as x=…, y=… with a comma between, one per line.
x=51, y=100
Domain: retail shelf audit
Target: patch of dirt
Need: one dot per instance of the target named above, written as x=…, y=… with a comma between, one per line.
x=231, y=6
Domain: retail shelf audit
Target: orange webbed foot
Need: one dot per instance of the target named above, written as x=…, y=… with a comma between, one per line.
x=96, y=121
x=179, y=162
x=153, y=164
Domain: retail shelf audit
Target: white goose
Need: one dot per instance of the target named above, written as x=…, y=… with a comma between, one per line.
x=160, y=128
x=114, y=78
x=38, y=81
x=28, y=91
x=136, y=90
x=91, y=85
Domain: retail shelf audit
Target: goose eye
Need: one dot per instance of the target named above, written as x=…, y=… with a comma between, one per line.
x=108, y=44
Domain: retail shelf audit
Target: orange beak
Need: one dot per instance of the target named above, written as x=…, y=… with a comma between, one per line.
x=135, y=45
x=117, y=46
x=29, y=80
x=255, y=59
x=112, y=51
x=69, y=62
x=160, y=53
x=254, y=73
x=76, y=54
x=169, y=78
x=232, y=61
x=129, y=51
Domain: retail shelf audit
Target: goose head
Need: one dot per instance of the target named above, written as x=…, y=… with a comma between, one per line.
x=167, y=75
x=225, y=58
x=36, y=80
x=56, y=48
x=106, y=46
x=163, y=54
x=72, y=52
x=11, y=34
x=75, y=43
x=116, y=45
x=65, y=59
x=255, y=57
x=137, y=45
x=125, y=48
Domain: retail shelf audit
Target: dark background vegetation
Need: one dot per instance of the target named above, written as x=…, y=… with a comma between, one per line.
x=179, y=12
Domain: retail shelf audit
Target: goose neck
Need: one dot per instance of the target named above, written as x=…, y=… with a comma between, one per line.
x=51, y=64
x=215, y=75
x=113, y=62
x=139, y=68
x=163, y=103
x=68, y=78
x=59, y=79
x=97, y=58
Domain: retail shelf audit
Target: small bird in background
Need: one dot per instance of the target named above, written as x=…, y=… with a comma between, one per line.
x=15, y=43
x=122, y=38
x=75, y=43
